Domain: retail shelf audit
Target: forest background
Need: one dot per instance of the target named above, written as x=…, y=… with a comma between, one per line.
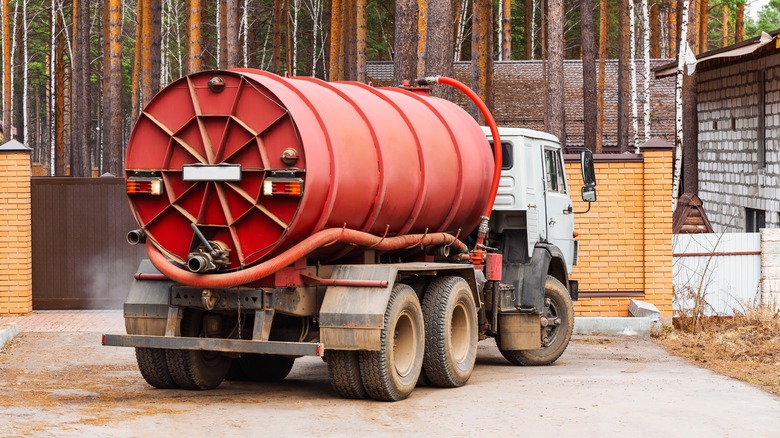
x=76, y=73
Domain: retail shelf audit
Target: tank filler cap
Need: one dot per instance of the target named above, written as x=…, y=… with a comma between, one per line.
x=290, y=156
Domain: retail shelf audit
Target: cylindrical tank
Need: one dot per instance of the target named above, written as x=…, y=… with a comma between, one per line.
x=258, y=162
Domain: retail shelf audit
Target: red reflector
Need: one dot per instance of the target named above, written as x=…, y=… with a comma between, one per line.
x=103, y=340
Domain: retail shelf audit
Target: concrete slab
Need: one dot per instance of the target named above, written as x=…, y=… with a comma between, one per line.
x=644, y=309
x=588, y=325
x=7, y=333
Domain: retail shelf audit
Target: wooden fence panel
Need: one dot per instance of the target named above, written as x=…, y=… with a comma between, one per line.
x=81, y=259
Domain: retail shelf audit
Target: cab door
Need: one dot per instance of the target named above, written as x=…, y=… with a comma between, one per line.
x=560, y=215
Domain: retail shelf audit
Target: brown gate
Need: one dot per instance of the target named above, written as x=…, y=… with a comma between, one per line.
x=80, y=257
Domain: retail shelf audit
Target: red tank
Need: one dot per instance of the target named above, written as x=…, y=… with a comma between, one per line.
x=259, y=162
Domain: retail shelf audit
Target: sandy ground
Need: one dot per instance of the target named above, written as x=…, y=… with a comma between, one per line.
x=66, y=384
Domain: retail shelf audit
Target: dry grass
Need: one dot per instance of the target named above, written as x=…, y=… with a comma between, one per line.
x=745, y=347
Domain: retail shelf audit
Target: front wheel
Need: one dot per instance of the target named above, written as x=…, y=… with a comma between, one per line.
x=559, y=313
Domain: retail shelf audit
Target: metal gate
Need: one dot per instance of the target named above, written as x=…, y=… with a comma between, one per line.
x=80, y=258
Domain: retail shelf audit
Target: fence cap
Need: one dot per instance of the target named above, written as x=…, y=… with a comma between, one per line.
x=13, y=146
x=656, y=143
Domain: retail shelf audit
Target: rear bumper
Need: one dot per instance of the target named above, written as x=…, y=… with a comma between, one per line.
x=214, y=344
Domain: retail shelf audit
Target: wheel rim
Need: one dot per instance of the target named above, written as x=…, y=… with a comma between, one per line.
x=404, y=345
x=460, y=330
x=551, y=313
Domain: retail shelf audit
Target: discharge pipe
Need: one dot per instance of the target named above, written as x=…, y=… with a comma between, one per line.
x=477, y=255
x=302, y=249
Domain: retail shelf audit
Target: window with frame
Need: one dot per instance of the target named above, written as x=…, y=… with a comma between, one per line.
x=754, y=220
x=553, y=166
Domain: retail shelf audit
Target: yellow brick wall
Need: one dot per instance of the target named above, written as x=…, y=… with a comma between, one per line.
x=626, y=238
x=15, y=234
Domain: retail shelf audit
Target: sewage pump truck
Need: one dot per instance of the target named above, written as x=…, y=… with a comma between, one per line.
x=377, y=228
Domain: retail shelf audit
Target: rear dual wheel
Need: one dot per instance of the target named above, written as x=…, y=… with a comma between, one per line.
x=194, y=369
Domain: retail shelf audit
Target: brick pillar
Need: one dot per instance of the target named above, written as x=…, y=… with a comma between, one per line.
x=770, y=268
x=15, y=230
x=658, y=225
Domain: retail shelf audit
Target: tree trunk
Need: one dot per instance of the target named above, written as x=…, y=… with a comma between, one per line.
x=361, y=39
x=739, y=25
x=704, y=21
x=156, y=47
x=555, y=83
x=25, y=80
x=350, y=40
x=59, y=92
x=80, y=111
x=52, y=89
x=146, y=53
x=112, y=153
x=276, y=40
x=439, y=44
x=603, y=24
x=725, y=26
x=528, y=29
x=405, y=41
x=422, y=33
x=589, y=87
x=632, y=71
x=335, y=41
x=690, y=115
x=7, y=66
x=624, y=78
x=233, y=43
x=194, y=40
x=222, y=38
x=673, y=28
x=646, y=66
x=654, y=29
x=506, y=29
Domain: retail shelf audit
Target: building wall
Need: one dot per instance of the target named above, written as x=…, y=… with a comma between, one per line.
x=15, y=233
x=730, y=179
x=625, y=240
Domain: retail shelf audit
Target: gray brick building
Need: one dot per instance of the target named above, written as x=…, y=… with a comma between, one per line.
x=738, y=89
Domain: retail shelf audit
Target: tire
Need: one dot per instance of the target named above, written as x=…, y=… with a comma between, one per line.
x=154, y=368
x=557, y=305
x=450, y=332
x=344, y=368
x=391, y=373
x=194, y=369
x=151, y=361
x=265, y=367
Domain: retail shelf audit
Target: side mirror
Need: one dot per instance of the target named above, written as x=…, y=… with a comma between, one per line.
x=588, y=176
x=589, y=194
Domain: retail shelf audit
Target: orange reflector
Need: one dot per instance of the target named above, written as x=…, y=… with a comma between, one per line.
x=151, y=186
x=287, y=186
x=576, y=234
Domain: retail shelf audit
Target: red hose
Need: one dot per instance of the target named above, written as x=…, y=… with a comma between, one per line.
x=497, y=149
x=305, y=247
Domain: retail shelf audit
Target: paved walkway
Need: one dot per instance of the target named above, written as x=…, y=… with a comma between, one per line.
x=103, y=321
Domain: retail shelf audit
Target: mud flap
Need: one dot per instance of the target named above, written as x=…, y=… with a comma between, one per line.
x=528, y=279
x=351, y=318
x=146, y=306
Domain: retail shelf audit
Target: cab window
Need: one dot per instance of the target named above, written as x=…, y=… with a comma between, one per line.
x=553, y=166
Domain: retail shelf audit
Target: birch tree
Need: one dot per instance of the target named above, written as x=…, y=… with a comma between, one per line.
x=25, y=77
x=632, y=66
x=678, y=100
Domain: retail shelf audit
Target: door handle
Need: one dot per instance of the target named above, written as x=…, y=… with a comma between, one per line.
x=552, y=222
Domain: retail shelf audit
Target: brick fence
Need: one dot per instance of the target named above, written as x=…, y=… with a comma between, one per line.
x=15, y=230
x=626, y=238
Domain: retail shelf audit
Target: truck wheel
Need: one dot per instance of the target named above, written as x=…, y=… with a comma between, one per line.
x=557, y=305
x=154, y=368
x=344, y=368
x=391, y=373
x=151, y=361
x=450, y=332
x=194, y=369
x=265, y=367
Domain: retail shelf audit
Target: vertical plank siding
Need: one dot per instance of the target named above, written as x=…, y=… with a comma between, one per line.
x=723, y=268
x=80, y=257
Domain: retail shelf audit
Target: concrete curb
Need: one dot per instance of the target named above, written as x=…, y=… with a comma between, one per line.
x=588, y=325
x=7, y=332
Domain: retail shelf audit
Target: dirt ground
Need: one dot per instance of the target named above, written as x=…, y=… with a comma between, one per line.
x=66, y=384
x=744, y=347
